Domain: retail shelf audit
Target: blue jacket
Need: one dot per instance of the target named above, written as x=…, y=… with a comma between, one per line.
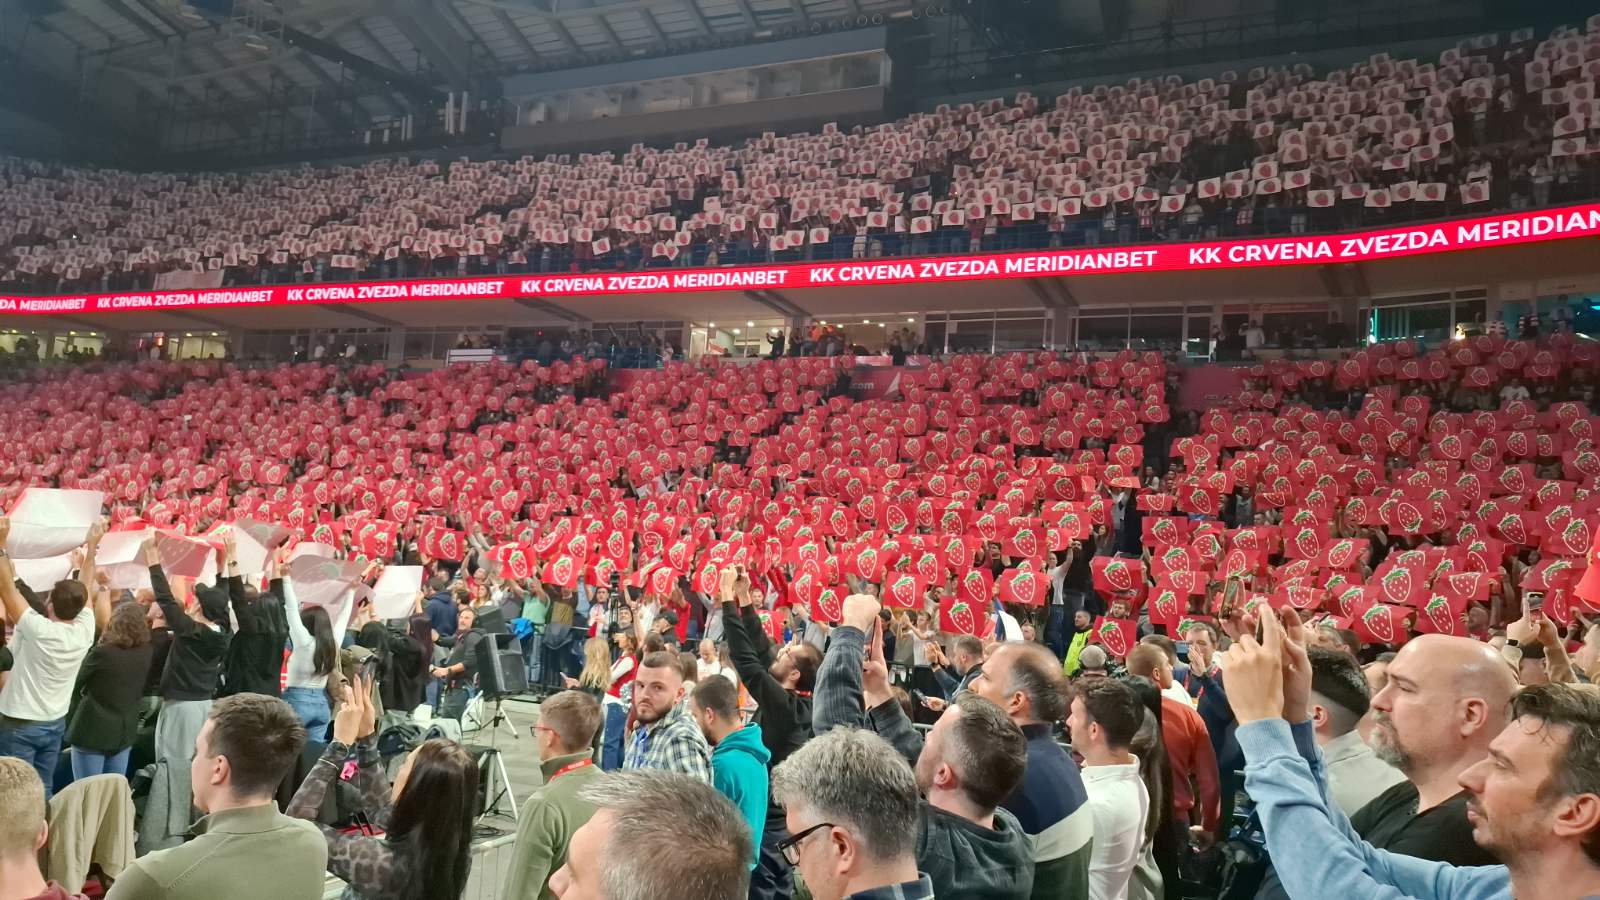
x=1313, y=848
x=1051, y=805
x=441, y=610
x=739, y=772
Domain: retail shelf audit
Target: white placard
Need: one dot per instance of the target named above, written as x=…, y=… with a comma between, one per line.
x=48, y=522
x=319, y=581
x=42, y=574
x=396, y=591
x=183, y=556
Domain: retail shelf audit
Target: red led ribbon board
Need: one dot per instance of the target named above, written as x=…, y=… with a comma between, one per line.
x=1504, y=230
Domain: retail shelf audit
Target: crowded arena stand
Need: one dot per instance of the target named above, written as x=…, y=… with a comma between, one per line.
x=1246, y=580
x=1498, y=120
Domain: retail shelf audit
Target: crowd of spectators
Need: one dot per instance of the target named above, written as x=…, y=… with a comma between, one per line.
x=789, y=640
x=1497, y=122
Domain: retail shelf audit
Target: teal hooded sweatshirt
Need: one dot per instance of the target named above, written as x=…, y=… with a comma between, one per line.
x=739, y=771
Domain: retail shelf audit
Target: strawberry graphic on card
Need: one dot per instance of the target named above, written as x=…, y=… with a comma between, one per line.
x=1166, y=607
x=1398, y=586
x=1115, y=635
x=828, y=606
x=1407, y=517
x=977, y=586
x=1343, y=553
x=1165, y=531
x=661, y=580
x=1439, y=616
x=1114, y=574
x=956, y=616
x=1378, y=623
x=1022, y=586
x=1175, y=559
x=903, y=592
x=1575, y=538
x=1307, y=543
x=1237, y=563
x=707, y=579
x=562, y=572
x=1512, y=529
x=1026, y=542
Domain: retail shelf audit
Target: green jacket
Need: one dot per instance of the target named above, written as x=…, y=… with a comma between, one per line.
x=1079, y=641
x=739, y=772
x=250, y=853
x=549, y=819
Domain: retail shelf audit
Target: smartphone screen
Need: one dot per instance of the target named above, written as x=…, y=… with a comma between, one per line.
x=1182, y=647
x=1533, y=601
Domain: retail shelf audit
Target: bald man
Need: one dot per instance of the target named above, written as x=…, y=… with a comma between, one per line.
x=1443, y=700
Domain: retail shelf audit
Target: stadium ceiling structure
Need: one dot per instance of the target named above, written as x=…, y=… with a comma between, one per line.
x=131, y=61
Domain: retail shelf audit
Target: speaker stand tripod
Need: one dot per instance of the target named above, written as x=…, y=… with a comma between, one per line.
x=496, y=765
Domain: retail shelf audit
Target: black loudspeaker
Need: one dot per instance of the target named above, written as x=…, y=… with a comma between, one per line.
x=490, y=619
x=500, y=669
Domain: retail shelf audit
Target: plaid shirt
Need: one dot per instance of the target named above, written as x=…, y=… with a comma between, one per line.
x=921, y=889
x=674, y=744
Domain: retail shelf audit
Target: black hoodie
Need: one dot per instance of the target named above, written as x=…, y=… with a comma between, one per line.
x=254, y=662
x=195, y=660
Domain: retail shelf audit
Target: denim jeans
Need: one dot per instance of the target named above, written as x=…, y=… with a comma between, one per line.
x=611, y=742
x=86, y=763
x=311, y=705
x=36, y=743
x=1054, y=638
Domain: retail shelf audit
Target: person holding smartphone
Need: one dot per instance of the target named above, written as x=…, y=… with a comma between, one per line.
x=1534, y=645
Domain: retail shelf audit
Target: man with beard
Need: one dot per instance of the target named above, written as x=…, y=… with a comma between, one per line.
x=665, y=737
x=781, y=687
x=1534, y=796
x=970, y=761
x=1445, y=701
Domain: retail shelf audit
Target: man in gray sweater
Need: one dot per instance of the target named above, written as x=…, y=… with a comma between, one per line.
x=244, y=849
x=972, y=759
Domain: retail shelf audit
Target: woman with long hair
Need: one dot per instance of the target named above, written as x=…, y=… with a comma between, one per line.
x=425, y=853
x=595, y=679
x=104, y=719
x=405, y=680
x=313, y=654
x=1158, y=859
x=617, y=677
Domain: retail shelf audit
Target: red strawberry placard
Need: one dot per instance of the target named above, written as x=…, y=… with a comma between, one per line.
x=562, y=572
x=1167, y=605
x=1023, y=585
x=828, y=605
x=957, y=616
x=1380, y=623
x=1441, y=614
x=1117, y=636
x=976, y=587
x=1343, y=554
x=1111, y=573
x=903, y=590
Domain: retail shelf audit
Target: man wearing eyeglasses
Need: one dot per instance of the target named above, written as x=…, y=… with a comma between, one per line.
x=563, y=737
x=851, y=806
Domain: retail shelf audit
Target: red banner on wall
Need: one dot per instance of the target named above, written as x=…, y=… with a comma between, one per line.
x=1442, y=237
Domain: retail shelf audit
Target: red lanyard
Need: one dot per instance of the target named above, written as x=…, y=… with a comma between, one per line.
x=570, y=767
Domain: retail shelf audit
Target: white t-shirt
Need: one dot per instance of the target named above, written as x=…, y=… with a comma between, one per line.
x=48, y=654
x=1119, y=804
x=704, y=670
